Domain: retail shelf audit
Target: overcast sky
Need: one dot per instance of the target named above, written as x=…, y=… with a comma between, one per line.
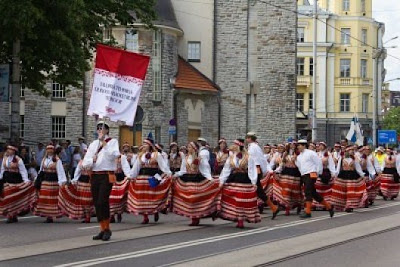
x=388, y=12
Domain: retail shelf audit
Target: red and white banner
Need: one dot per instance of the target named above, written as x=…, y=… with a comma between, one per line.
x=118, y=79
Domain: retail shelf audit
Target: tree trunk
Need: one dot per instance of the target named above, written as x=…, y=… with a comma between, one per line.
x=15, y=92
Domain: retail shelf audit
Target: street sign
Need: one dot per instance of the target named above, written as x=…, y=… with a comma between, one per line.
x=370, y=142
x=172, y=130
x=387, y=137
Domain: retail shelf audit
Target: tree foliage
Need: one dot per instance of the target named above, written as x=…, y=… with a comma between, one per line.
x=391, y=120
x=58, y=36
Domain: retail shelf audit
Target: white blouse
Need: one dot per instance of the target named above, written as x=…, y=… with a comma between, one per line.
x=227, y=170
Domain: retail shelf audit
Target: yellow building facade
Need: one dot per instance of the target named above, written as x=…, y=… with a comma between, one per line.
x=347, y=67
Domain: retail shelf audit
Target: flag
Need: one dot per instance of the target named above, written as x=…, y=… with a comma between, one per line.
x=351, y=135
x=118, y=79
x=359, y=135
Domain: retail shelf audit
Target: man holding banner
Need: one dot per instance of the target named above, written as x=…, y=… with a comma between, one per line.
x=118, y=79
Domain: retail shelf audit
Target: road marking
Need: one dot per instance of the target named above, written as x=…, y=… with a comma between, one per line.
x=192, y=243
x=22, y=218
x=89, y=227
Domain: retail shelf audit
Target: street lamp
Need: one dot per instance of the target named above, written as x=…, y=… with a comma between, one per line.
x=394, y=38
x=395, y=79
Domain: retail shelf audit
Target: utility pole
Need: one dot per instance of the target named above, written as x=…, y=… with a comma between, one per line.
x=15, y=92
x=314, y=107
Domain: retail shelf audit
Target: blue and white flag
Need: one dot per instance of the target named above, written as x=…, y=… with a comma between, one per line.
x=355, y=134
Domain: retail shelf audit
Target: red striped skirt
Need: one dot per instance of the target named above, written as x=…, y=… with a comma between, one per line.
x=388, y=187
x=239, y=202
x=349, y=194
x=373, y=187
x=75, y=200
x=142, y=199
x=195, y=199
x=47, y=203
x=287, y=191
x=119, y=197
x=325, y=190
x=267, y=184
x=17, y=198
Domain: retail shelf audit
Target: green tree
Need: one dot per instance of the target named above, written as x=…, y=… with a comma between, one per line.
x=54, y=40
x=391, y=120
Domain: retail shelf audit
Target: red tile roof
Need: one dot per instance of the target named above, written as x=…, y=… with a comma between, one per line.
x=190, y=78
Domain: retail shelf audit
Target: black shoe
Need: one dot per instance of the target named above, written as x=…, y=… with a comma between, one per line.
x=49, y=220
x=275, y=213
x=331, y=212
x=298, y=211
x=385, y=198
x=349, y=210
x=15, y=219
x=392, y=198
x=99, y=236
x=107, y=235
x=10, y=220
x=119, y=218
x=112, y=219
x=261, y=209
x=156, y=217
x=305, y=215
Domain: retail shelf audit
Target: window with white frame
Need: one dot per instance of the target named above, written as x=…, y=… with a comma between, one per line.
x=300, y=35
x=300, y=102
x=194, y=51
x=58, y=127
x=364, y=36
x=363, y=68
x=346, y=5
x=311, y=66
x=310, y=101
x=344, y=102
x=132, y=40
x=345, y=68
x=21, y=126
x=156, y=66
x=345, y=35
x=107, y=34
x=363, y=8
x=365, y=100
x=58, y=90
x=300, y=66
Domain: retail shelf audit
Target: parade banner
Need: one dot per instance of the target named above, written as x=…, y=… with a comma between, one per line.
x=118, y=79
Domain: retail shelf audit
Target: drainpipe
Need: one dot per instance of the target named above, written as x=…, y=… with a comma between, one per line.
x=214, y=71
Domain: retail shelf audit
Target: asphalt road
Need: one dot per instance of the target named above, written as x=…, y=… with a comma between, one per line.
x=362, y=238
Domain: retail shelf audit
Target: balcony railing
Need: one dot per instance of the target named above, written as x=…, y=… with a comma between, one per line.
x=349, y=81
x=304, y=80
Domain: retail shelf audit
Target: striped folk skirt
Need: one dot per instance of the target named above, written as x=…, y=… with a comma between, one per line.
x=143, y=199
x=389, y=188
x=75, y=200
x=119, y=197
x=239, y=202
x=325, y=190
x=287, y=191
x=349, y=194
x=373, y=188
x=267, y=184
x=16, y=198
x=47, y=203
x=195, y=199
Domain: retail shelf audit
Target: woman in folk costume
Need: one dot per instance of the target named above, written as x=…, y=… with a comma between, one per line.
x=324, y=183
x=371, y=168
x=50, y=177
x=119, y=191
x=277, y=157
x=195, y=192
x=221, y=156
x=238, y=180
x=17, y=193
x=337, y=153
x=287, y=189
x=390, y=179
x=150, y=184
x=76, y=199
x=174, y=158
x=349, y=190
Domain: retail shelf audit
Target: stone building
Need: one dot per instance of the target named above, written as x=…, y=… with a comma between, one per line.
x=218, y=68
